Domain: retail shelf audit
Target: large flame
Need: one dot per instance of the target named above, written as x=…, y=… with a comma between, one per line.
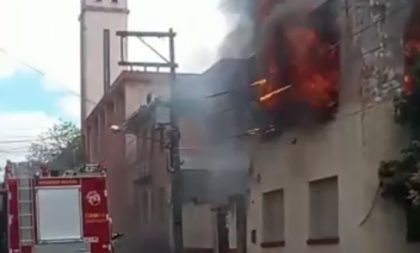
x=300, y=64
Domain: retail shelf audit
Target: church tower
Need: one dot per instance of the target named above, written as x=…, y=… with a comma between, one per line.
x=100, y=48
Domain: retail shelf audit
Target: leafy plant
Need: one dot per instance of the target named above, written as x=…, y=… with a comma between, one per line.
x=400, y=178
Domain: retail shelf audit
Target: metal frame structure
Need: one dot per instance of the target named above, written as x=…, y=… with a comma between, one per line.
x=166, y=63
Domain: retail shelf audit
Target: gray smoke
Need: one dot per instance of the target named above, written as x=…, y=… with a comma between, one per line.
x=219, y=151
x=284, y=12
x=239, y=42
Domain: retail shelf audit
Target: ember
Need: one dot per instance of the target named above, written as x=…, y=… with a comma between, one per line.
x=299, y=59
x=273, y=93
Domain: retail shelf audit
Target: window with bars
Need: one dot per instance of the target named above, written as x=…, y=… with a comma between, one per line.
x=273, y=216
x=323, y=210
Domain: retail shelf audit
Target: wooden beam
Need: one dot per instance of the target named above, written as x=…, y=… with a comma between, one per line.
x=145, y=34
x=147, y=64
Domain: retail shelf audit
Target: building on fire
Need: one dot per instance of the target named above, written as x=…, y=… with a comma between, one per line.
x=323, y=122
x=304, y=124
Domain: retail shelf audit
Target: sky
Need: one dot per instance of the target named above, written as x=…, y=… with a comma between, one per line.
x=39, y=58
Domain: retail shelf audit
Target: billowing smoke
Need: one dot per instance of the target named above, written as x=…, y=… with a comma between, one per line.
x=240, y=17
x=210, y=131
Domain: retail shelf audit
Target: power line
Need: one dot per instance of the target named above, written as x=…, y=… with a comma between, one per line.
x=32, y=140
x=18, y=141
x=43, y=74
x=13, y=153
x=22, y=150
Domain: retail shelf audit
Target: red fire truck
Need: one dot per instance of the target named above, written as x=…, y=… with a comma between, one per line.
x=58, y=214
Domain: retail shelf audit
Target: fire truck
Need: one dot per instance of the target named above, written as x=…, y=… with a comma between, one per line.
x=66, y=213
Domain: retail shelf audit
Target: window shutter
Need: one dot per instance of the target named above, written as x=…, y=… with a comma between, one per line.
x=273, y=216
x=324, y=208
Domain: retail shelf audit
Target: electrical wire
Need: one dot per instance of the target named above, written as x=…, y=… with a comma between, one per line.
x=43, y=74
x=17, y=141
x=32, y=139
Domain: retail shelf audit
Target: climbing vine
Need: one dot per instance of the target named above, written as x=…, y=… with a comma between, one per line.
x=400, y=178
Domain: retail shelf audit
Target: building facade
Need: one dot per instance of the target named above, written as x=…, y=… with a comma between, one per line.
x=314, y=186
x=150, y=177
x=116, y=149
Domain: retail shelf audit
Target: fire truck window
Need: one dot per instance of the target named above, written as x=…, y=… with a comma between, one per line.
x=59, y=214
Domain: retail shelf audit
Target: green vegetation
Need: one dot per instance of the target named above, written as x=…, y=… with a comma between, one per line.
x=60, y=147
x=400, y=178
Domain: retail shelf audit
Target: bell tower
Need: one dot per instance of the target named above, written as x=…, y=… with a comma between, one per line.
x=100, y=48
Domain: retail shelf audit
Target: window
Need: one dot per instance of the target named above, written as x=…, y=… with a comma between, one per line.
x=161, y=205
x=149, y=98
x=144, y=146
x=114, y=1
x=100, y=135
x=59, y=222
x=323, y=201
x=110, y=109
x=273, y=218
x=88, y=140
x=152, y=134
x=106, y=61
x=103, y=122
x=253, y=236
x=96, y=138
x=109, y=113
x=145, y=206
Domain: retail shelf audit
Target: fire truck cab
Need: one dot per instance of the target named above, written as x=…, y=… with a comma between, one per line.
x=57, y=214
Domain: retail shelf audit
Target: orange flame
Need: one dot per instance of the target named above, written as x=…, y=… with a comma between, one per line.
x=304, y=57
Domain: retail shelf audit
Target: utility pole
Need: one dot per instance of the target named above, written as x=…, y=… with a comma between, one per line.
x=174, y=134
x=175, y=158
